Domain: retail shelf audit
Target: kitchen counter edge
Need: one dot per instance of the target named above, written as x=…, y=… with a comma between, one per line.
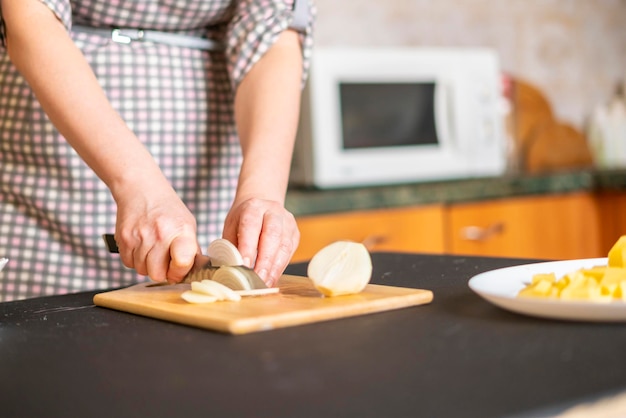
x=306, y=202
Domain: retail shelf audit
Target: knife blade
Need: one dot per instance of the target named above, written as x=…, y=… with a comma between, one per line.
x=203, y=268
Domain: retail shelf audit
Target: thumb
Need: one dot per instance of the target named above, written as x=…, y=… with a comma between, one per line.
x=183, y=250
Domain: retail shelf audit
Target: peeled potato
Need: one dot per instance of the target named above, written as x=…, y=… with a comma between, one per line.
x=341, y=268
x=617, y=254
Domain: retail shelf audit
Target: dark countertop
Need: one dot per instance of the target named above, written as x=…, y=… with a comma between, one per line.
x=61, y=356
x=304, y=202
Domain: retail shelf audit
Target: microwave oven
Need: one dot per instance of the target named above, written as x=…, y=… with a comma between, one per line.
x=399, y=115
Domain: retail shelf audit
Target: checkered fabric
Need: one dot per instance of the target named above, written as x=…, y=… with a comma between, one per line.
x=178, y=101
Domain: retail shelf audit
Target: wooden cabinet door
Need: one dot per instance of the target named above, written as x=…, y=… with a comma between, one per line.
x=550, y=227
x=416, y=229
x=613, y=217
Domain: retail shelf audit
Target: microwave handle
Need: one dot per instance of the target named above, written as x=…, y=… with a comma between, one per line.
x=444, y=112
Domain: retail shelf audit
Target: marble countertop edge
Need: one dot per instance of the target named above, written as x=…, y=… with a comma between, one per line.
x=303, y=202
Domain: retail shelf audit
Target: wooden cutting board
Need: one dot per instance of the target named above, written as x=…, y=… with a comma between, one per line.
x=297, y=303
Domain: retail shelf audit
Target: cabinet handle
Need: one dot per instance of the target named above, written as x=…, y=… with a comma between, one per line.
x=479, y=234
x=373, y=240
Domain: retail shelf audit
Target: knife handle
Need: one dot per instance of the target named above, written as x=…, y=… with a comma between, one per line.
x=109, y=241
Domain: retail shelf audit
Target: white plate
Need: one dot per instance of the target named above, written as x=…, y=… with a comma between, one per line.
x=501, y=286
x=3, y=262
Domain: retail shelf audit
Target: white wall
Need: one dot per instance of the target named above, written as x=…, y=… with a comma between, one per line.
x=573, y=50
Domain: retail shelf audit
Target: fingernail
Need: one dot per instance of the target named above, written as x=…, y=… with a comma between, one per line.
x=263, y=274
x=246, y=261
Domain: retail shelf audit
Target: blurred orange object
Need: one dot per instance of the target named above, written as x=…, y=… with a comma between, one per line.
x=558, y=146
x=543, y=143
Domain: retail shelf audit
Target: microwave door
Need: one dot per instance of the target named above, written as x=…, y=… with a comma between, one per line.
x=444, y=113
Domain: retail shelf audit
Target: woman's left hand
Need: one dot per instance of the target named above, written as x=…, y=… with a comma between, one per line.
x=264, y=231
x=266, y=235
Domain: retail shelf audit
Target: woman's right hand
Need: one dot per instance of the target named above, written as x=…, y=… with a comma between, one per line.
x=156, y=233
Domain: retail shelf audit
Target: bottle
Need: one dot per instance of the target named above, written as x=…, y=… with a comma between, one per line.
x=607, y=132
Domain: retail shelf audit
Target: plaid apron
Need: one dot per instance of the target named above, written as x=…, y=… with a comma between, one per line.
x=177, y=100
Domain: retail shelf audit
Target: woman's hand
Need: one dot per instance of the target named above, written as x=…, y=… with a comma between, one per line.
x=156, y=234
x=266, y=235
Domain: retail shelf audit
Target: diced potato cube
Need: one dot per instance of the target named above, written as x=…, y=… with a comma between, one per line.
x=610, y=289
x=575, y=293
x=595, y=272
x=549, y=277
x=613, y=275
x=577, y=279
x=597, y=295
x=596, y=284
x=562, y=283
x=543, y=287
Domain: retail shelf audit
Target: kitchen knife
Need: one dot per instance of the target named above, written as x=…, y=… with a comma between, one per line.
x=202, y=269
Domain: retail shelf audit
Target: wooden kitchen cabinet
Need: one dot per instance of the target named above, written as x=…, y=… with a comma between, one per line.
x=612, y=206
x=415, y=229
x=552, y=226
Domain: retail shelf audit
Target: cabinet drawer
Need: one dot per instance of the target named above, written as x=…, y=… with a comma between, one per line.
x=418, y=229
x=551, y=227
